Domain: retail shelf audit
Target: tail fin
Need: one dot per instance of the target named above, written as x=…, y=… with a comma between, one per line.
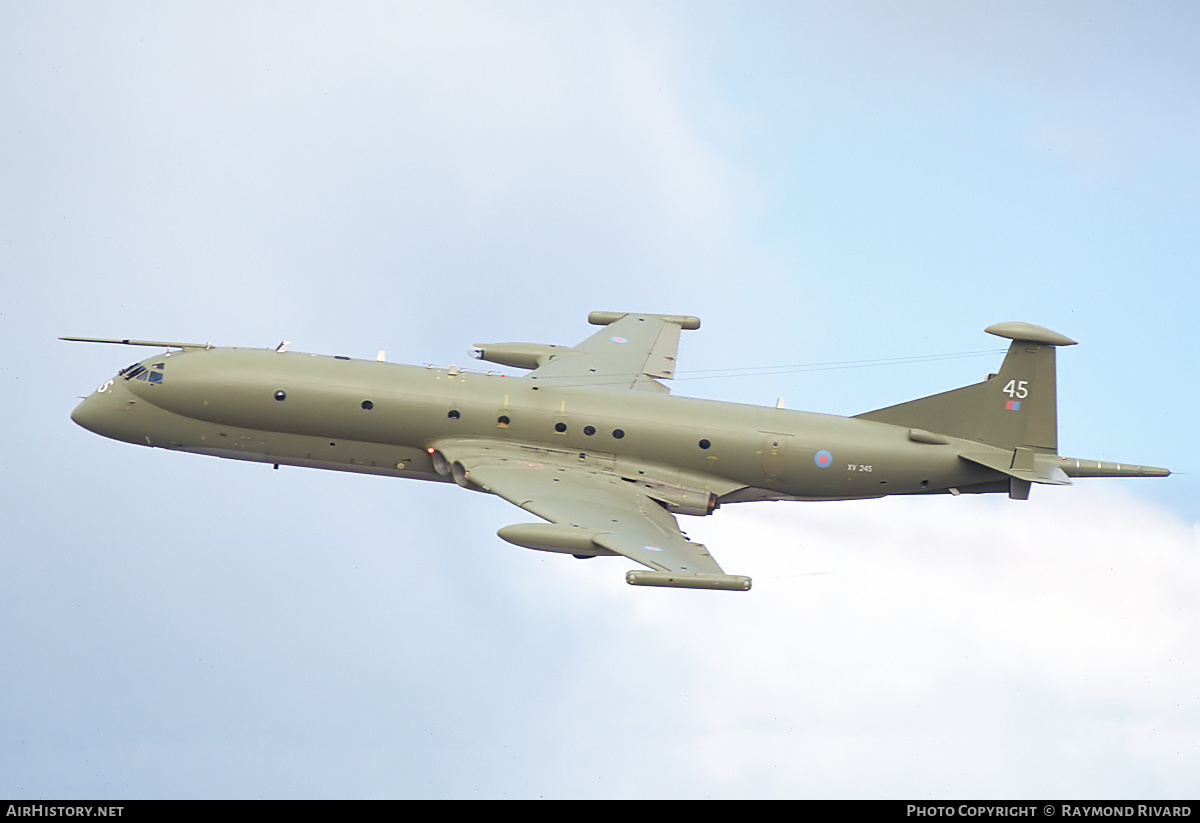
x=1018, y=407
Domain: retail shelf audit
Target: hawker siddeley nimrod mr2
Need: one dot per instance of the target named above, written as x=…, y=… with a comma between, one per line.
x=590, y=440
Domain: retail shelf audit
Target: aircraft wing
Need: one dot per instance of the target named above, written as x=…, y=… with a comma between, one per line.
x=629, y=352
x=594, y=512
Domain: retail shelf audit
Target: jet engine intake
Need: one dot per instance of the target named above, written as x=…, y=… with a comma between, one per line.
x=462, y=477
x=681, y=499
x=440, y=464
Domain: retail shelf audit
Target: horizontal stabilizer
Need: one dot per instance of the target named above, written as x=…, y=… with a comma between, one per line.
x=1023, y=464
x=1050, y=469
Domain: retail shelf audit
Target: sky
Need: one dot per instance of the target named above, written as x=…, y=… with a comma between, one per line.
x=820, y=183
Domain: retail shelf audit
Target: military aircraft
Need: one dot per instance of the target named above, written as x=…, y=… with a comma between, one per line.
x=590, y=440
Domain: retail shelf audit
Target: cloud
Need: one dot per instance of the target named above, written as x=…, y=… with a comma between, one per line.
x=418, y=178
x=923, y=647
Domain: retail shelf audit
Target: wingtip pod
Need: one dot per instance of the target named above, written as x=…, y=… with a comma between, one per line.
x=723, y=582
x=606, y=318
x=1030, y=332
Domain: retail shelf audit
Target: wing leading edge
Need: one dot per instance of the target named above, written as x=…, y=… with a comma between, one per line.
x=590, y=512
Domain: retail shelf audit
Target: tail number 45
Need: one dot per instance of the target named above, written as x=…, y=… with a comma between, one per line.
x=1016, y=388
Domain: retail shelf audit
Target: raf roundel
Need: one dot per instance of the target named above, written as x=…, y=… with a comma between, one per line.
x=618, y=339
x=823, y=459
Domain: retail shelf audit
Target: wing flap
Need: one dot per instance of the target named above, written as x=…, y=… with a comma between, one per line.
x=595, y=506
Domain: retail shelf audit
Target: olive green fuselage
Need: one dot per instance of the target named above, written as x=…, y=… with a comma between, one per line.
x=368, y=416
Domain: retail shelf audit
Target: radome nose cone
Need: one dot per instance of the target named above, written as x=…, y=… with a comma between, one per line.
x=108, y=412
x=86, y=415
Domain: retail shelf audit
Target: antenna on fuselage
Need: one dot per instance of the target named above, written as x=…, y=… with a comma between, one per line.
x=158, y=344
x=283, y=346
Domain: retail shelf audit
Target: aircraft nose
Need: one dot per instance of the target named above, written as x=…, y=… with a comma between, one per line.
x=108, y=412
x=89, y=413
x=114, y=411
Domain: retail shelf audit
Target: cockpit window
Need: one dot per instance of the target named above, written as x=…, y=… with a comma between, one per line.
x=137, y=371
